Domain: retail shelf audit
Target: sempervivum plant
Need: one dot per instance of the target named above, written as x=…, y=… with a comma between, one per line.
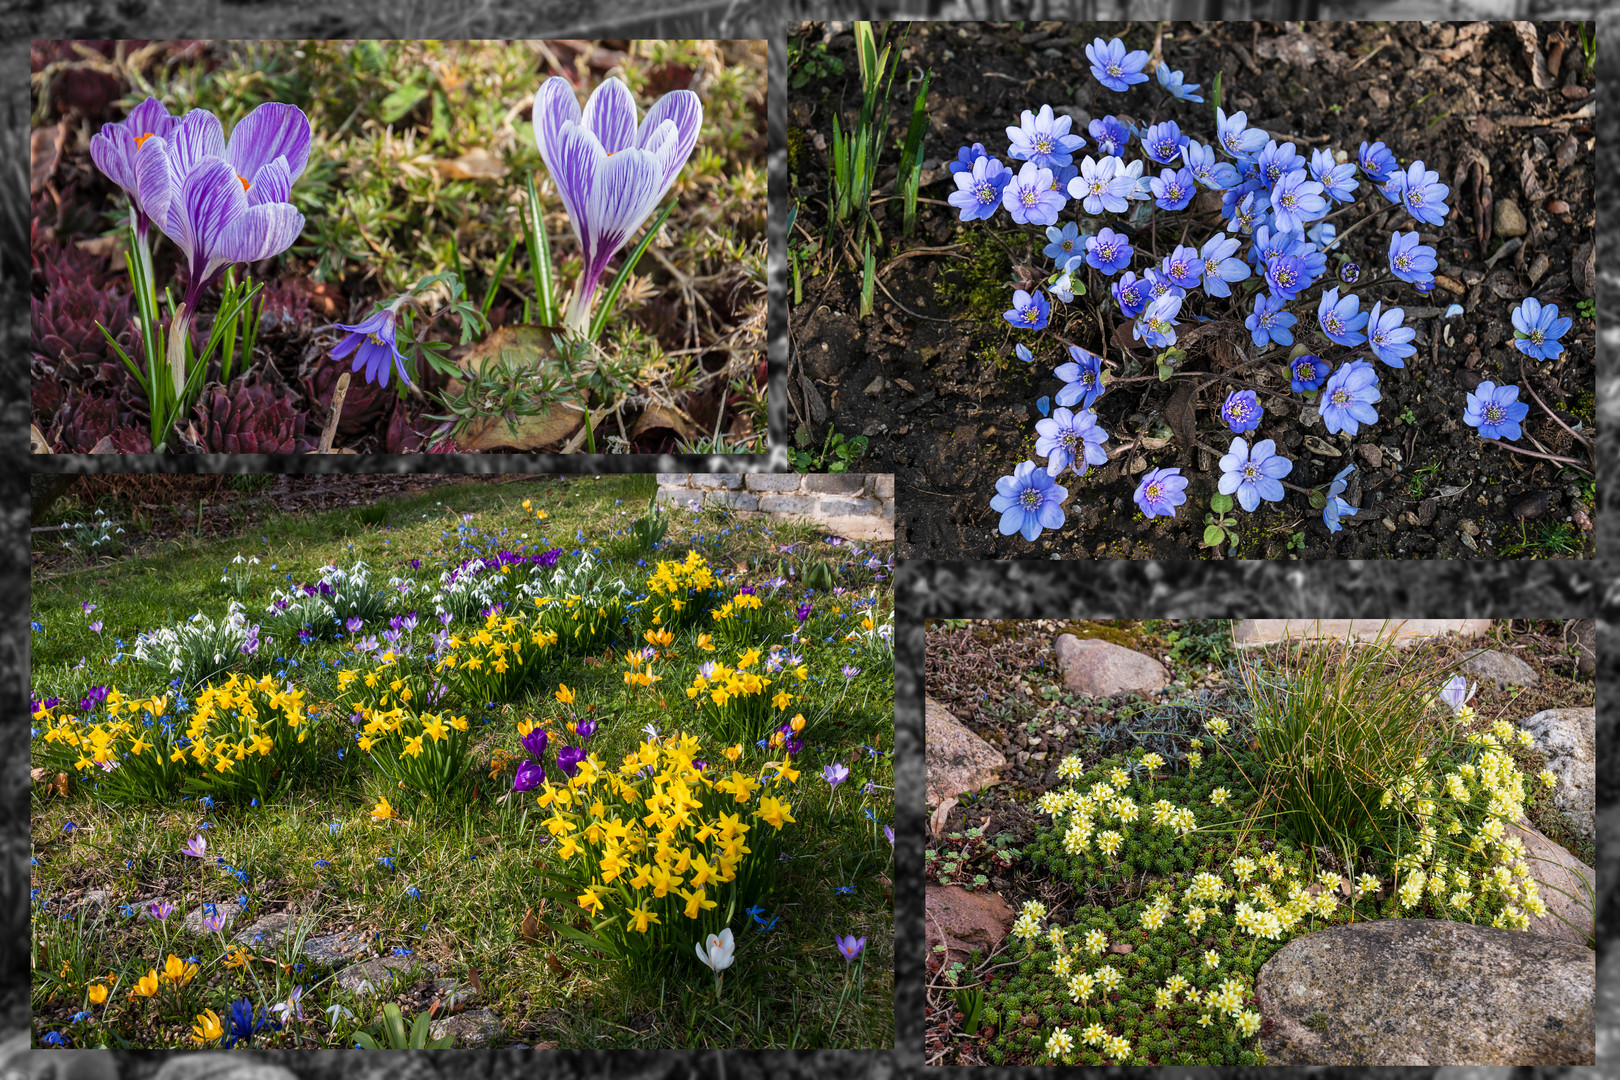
x=93, y=417
x=249, y=419
x=64, y=324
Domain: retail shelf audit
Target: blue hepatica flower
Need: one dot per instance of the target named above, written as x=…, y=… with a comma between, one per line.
x=1115, y=68
x=1220, y=268
x=979, y=188
x=1340, y=319
x=1422, y=192
x=379, y=353
x=1108, y=251
x=1183, y=266
x=1269, y=322
x=1253, y=474
x=1347, y=398
x=1387, y=338
x=1063, y=287
x=1160, y=286
x=1131, y=293
x=1043, y=139
x=1236, y=137
x=1064, y=242
x=1308, y=371
x=1337, y=507
x=966, y=156
x=1029, y=197
x=1206, y=168
x=1286, y=276
x=611, y=171
x=1173, y=189
x=1323, y=234
x=1242, y=411
x=1160, y=492
x=1029, y=312
x=1029, y=500
x=1173, y=82
x=1071, y=440
x=1101, y=186
x=1082, y=378
x=1243, y=214
x=1111, y=135
x=1295, y=200
x=1377, y=161
x=1495, y=411
x=1163, y=142
x=1338, y=180
x=1158, y=323
x=1537, y=328
x=1409, y=259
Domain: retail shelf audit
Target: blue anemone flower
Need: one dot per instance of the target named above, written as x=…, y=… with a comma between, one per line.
x=1043, y=138
x=1236, y=137
x=1082, y=378
x=1377, y=161
x=1108, y=251
x=1269, y=322
x=1029, y=312
x=1340, y=319
x=1111, y=135
x=1242, y=411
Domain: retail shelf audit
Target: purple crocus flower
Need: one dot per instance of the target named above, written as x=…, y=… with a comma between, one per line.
x=1242, y=411
x=585, y=728
x=1495, y=410
x=1253, y=474
x=834, y=774
x=1409, y=259
x=803, y=611
x=379, y=355
x=1340, y=319
x=1029, y=500
x=849, y=671
x=1347, y=397
x=1029, y=312
x=1108, y=251
x=1043, y=139
x=1030, y=197
x=197, y=848
x=568, y=759
x=979, y=188
x=160, y=909
x=535, y=743
x=609, y=170
x=1069, y=439
x=116, y=148
x=850, y=946
x=352, y=624
x=1308, y=371
x=529, y=776
x=1160, y=492
x=1387, y=338
x=1456, y=692
x=1082, y=378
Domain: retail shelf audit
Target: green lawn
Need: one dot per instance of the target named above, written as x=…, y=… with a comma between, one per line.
x=443, y=890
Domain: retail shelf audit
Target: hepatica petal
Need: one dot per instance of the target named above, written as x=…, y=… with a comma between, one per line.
x=271, y=131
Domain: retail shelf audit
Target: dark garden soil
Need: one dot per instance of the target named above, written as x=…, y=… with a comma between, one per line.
x=990, y=674
x=932, y=381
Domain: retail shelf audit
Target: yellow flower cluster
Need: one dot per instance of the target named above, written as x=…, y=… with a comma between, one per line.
x=679, y=592
x=497, y=661
x=243, y=718
x=69, y=741
x=584, y=623
x=737, y=701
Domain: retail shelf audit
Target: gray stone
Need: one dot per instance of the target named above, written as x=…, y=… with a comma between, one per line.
x=728, y=481
x=1565, y=885
x=96, y=899
x=1569, y=739
x=673, y=479
x=681, y=497
x=840, y=507
x=957, y=759
x=773, y=481
x=379, y=972
x=788, y=504
x=334, y=949
x=227, y=908
x=269, y=931
x=836, y=483
x=1425, y=992
x=1103, y=669
x=476, y=1029
x=1502, y=668
x=220, y=1067
x=1509, y=219
x=1249, y=633
x=883, y=485
x=736, y=500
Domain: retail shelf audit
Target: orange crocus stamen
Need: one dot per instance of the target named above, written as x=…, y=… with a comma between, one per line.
x=139, y=139
x=245, y=184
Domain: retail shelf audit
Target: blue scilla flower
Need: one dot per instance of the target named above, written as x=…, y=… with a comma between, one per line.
x=1338, y=181
x=965, y=157
x=1269, y=322
x=1242, y=411
x=1236, y=137
x=1158, y=323
x=1108, y=251
x=1253, y=474
x=1111, y=135
x=1163, y=142
x=1308, y=371
x=1029, y=196
x=1409, y=259
x=244, y=1023
x=1043, y=139
x=1422, y=192
x=1387, y=338
x=1082, y=378
x=1336, y=507
x=1115, y=68
x=1174, y=82
x=1340, y=319
x=1029, y=500
x=1495, y=411
x=1071, y=440
x=1131, y=293
x=1220, y=268
x=1064, y=242
x=979, y=189
x=1210, y=172
x=1173, y=189
x=1347, y=398
x=1029, y=311
x=1377, y=161
x=1537, y=328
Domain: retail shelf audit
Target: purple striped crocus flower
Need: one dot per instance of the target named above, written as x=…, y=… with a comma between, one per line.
x=116, y=147
x=610, y=171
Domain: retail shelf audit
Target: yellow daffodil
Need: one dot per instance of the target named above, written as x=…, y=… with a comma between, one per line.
x=773, y=812
x=640, y=917
x=590, y=901
x=696, y=903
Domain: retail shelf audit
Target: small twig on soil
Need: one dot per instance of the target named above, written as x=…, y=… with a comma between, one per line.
x=338, y=395
x=902, y=307
x=886, y=267
x=1549, y=457
x=1583, y=440
x=1372, y=54
x=1506, y=249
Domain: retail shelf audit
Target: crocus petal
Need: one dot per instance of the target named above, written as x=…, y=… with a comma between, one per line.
x=196, y=138
x=260, y=232
x=272, y=130
x=575, y=166
x=554, y=106
x=210, y=201
x=626, y=192
x=684, y=109
x=611, y=116
x=155, y=180
x=271, y=184
x=113, y=151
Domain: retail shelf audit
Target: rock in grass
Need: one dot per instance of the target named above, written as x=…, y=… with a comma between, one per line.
x=1426, y=992
x=1502, y=668
x=1103, y=669
x=1564, y=883
x=334, y=949
x=379, y=973
x=957, y=760
x=221, y=1067
x=476, y=1029
x=968, y=920
x=1569, y=739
